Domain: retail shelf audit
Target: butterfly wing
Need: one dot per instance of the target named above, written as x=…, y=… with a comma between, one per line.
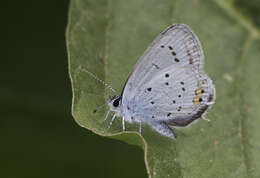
x=168, y=82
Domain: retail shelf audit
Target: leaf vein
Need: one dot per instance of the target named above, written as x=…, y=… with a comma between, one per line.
x=240, y=18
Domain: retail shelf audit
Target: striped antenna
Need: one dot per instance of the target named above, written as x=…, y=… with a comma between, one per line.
x=98, y=79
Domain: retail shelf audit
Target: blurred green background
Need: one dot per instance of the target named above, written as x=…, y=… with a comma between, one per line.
x=39, y=137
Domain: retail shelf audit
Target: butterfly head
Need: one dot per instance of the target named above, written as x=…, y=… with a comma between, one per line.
x=115, y=104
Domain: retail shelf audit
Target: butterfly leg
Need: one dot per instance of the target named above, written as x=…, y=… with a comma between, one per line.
x=107, y=115
x=163, y=129
x=140, y=127
x=111, y=122
x=123, y=123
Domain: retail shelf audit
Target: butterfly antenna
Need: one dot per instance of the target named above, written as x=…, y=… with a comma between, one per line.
x=95, y=77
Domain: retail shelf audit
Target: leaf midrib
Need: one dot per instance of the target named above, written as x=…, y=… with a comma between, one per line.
x=239, y=17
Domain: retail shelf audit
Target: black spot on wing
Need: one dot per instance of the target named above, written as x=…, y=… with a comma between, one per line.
x=176, y=60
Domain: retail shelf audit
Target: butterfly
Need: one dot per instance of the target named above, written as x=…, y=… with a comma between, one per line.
x=168, y=86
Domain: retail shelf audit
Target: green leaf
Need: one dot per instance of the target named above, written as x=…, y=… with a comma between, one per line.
x=108, y=36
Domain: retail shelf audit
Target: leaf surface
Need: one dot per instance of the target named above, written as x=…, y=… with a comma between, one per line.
x=108, y=37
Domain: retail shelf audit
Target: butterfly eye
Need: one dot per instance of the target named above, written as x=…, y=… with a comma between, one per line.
x=116, y=102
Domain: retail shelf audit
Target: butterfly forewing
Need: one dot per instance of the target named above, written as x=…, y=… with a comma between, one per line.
x=168, y=85
x=176, y=46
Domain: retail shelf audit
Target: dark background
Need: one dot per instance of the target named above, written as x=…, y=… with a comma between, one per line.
x=38, y=136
